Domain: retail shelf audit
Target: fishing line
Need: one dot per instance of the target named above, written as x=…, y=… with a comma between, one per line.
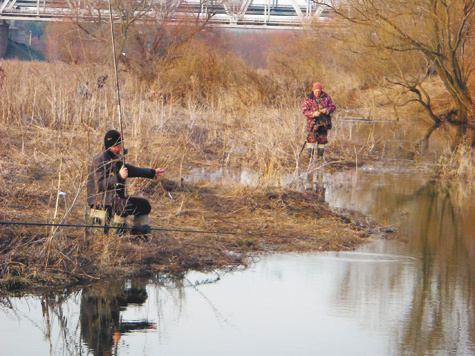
x=152, y=228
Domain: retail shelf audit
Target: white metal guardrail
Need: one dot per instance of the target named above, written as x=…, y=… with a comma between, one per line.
x=232, y=13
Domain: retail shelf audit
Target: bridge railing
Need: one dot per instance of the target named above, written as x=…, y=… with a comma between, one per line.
x=248, y=14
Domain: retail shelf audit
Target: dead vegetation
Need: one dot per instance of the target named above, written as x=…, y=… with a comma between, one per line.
x=202, y=110
x=201, y=228
x=45, y=155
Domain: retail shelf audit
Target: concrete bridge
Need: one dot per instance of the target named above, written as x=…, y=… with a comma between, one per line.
x=264, y=14
x=3, y=39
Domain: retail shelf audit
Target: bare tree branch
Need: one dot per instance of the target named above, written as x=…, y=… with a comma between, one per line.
x=437, y=30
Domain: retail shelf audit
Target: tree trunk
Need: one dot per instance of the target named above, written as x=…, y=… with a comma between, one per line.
x=423, y=142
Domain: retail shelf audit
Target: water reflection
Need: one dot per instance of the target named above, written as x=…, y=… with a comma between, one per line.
x=438, y=222
x=100, y=321
x=372, y=302
x=222, y=174
x=414, y=297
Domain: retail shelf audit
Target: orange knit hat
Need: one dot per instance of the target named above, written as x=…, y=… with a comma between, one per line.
x=316, y=85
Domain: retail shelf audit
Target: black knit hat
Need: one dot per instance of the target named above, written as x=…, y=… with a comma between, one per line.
x=112, y=138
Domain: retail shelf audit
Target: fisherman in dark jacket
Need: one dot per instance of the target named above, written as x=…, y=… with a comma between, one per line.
x=106, y=186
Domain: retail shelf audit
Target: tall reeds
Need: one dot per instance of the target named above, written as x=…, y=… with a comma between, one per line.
x=217, y=110
x=205, y=111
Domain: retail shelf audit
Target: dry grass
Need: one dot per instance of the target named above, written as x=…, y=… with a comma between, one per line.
x=458, y=166
x=238, y=119
x=235, y=222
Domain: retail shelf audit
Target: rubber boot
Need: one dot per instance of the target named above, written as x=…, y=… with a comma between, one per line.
x=320, y=152
x=120, y=224
x=141, y=227
x=311, y=151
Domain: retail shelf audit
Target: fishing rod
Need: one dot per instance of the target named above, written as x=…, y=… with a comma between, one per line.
x=25, y=223
x=306, y=140
x=119, y=108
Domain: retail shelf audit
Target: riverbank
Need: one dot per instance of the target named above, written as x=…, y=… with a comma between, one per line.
x=438, y=246
x=199, y=227
x=51, y=128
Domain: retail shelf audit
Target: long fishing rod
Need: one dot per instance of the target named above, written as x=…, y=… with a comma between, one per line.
x=306, y=140
x=129, y=228
x=119, y=108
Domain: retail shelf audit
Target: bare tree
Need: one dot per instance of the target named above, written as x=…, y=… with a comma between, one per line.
x=146, y=31
x=438, y=34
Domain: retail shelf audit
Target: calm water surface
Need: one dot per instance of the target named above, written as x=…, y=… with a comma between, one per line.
x=414, y=297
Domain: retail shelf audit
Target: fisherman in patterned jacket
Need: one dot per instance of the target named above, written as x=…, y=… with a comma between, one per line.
x=317, y=107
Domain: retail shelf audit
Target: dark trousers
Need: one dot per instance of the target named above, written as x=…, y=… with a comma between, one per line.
x=131, y=206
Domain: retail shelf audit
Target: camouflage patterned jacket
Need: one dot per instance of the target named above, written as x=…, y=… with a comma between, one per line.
x=320, y=125
x=311, y=104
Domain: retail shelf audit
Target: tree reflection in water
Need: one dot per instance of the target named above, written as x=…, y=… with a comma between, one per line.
x=437, y=221
x=442, y=309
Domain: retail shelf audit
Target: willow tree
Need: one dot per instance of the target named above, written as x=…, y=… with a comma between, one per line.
x=438, y=31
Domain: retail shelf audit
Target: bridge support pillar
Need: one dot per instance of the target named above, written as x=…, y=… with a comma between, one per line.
x=3, y=38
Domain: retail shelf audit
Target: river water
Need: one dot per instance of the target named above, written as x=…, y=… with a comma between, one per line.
x=413, y=295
